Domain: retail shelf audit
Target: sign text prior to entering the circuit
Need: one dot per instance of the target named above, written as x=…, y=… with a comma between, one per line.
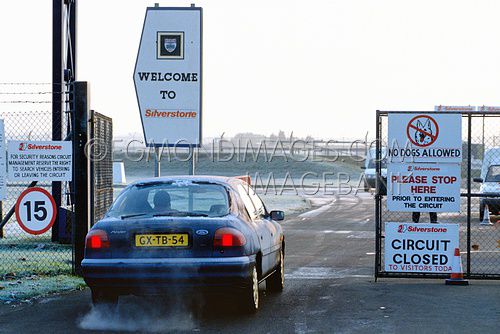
x=423, y=187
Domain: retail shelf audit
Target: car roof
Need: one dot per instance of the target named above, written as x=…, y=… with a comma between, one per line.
x=193, y=178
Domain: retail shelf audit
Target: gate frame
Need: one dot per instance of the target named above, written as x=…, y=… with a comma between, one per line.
x=379, y=273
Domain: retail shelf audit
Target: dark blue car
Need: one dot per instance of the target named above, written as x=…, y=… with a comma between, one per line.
x=169, y=233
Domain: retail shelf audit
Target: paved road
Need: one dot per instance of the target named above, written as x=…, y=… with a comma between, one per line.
x=329, y=289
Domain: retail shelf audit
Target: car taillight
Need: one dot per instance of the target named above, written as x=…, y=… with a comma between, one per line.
x=97, y=239
x=228, y=237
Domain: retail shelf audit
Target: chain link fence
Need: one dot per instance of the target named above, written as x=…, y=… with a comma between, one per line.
x=480, y=169
x=23, y=254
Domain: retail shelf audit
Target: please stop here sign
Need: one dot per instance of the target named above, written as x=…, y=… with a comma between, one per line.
x=35, y=210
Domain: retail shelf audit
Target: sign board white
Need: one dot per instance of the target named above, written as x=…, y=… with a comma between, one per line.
x=425, y=138
x=3, y=167
x=488, y=108
x=35, y=210
x=420, y=248
x=40, y=161
x=168, y=78
x=454, y=108
x=423, y=187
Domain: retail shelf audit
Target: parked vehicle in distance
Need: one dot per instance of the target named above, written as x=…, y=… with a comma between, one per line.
x=370, y=174
x=196, y=232
x=490, y=182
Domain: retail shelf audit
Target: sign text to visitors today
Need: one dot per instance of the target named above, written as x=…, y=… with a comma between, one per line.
x=420, y=248
x=431, y=137
x=167, y=76
x=423, y=187
x=39, y=161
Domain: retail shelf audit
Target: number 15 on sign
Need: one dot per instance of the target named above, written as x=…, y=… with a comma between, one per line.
x=35, y=210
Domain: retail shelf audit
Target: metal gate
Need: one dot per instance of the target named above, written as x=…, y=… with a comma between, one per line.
x=480, y=244
x=101, y=165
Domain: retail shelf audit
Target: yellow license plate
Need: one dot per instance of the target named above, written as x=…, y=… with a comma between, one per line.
x=161, y=240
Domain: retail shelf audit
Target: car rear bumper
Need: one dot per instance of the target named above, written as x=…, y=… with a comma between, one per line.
x=134, y=275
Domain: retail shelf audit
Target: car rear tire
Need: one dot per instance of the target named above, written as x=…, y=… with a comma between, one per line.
x=251, y=293
x=100, y=297
x=276, y=282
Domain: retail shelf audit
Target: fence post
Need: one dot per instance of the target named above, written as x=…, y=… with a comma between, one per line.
x=469, y=185
x=81, y=164
x=378, y=196
x=57, y=89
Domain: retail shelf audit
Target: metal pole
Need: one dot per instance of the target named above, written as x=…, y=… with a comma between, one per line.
x=57, y=89
x=469, y=185
x=192, y=165
x=157, y=162
x=482, y=149
x=378, y=222
x=80, y=184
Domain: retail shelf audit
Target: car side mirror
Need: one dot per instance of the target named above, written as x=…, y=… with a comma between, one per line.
x=277, y=215
x=478, y=179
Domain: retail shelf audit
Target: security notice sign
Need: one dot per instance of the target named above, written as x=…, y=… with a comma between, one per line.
x=39, y=161
x=423, y=187
x=167, y=76
x=420, y=248
x=433, y=137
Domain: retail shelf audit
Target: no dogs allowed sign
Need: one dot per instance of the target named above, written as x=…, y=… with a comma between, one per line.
x=430, y=137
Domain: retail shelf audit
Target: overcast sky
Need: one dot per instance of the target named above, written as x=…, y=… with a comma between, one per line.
x=317, y=68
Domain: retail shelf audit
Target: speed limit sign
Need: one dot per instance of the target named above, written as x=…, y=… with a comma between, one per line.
x=35, y=210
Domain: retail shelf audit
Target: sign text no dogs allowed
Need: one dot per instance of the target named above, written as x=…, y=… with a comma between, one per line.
x=432, y=137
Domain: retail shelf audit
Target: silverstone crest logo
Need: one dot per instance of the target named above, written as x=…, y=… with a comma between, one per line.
x=170, y=45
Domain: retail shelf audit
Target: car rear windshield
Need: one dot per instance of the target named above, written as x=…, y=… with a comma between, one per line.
x=181, y=198
x=493, y=174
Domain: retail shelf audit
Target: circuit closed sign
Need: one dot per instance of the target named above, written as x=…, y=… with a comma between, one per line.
x=420, y=248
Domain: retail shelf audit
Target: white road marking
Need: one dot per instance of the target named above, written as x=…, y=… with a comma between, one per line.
x=323, y=273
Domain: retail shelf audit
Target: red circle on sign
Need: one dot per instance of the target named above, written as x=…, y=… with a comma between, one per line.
x=52, y=202
x=422, y=131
